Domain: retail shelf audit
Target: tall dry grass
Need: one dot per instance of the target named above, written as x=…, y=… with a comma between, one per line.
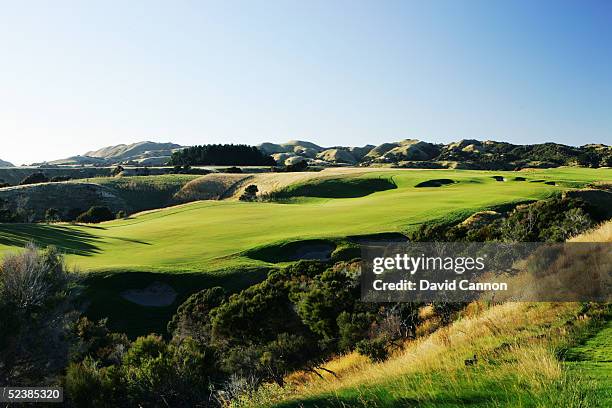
x=515, y=344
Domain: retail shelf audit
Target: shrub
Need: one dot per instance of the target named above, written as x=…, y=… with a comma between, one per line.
x=35, y=313
x=299, y=166
x=375, y=349
x=117, y=171
x=232, y=170
x=352, y=327
x=192, y=317
x=250, y=193
x=56, y=179
x=121, y=214
x=95, y=215
x=6, y=214
x=73, y=214
x=34, y=178
x=52, y=215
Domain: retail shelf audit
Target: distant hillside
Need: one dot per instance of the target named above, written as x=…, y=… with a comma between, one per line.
x=409, y=153
x=6, y=164
x=471, y=154
x=141, y=153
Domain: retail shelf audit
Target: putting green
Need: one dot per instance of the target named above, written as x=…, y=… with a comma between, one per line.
x=208, y=236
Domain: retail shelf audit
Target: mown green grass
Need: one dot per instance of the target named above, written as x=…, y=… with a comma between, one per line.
x=591, y=363
x=338, y=187
x=212, y=235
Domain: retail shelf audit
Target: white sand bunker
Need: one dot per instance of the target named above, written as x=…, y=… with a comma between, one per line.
x=157, y=294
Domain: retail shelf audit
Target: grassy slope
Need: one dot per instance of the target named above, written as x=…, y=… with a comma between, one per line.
x=210, y=235
x=144, y=192
x=591, y=364
x=530, y=354
x=512, y=342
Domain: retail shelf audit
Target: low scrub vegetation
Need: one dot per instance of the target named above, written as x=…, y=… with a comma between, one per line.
x=96, y=214
x=552, y=220
x=36, y=311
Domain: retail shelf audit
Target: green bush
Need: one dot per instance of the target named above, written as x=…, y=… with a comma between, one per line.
x=95, y=215
x=375, y=350
x=35, y=315
x=52, y=215
x=250, y=193
x=34, y=178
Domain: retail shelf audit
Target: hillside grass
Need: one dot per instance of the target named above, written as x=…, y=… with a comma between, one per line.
x=529, y=355
x=145, y=192
x=591, y=363
x=516, y=344
x=338, y=187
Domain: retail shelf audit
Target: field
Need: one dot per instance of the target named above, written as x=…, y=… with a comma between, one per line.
x=209, y=236
x=212, y=239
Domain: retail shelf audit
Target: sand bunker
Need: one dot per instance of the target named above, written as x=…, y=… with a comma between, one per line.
x=435, y=183
x=157, y=294
x=499, y=178
x=520, y=179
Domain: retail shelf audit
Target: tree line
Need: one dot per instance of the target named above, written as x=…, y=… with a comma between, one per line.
x=221, y=155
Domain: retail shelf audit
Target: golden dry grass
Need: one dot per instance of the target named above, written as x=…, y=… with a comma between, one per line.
x=514, y=340
x=419, y=363
x=218, y=186
x=601, y=233
x=212, y=186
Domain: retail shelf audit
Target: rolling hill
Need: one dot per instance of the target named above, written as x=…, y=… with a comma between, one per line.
x=469, y=153
x=142, y=153
x=6, y=164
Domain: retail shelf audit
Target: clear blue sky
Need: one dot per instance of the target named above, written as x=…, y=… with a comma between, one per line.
x=80, y=75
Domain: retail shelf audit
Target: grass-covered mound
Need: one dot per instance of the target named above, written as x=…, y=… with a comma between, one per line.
x=337, y=188
x=313, y=249
x=145, y=192
x=435, y=183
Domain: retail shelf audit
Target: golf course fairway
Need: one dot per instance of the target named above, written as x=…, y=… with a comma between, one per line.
x=208, y=236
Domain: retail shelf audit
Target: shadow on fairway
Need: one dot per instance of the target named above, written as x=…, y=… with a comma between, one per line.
x=66, y=239
x=102, y=295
